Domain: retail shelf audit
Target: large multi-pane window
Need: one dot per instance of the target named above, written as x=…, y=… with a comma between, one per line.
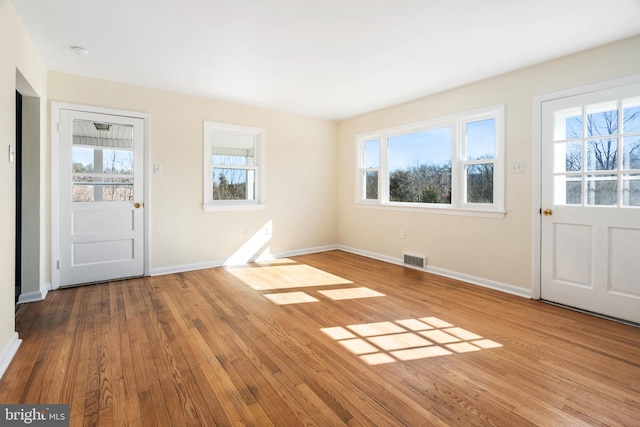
x=453, y=162
x=232, y=165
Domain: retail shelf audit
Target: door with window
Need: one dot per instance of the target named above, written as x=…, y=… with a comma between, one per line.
x=101, y=197
x=591, y=202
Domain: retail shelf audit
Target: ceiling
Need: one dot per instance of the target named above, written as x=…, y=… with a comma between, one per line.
x=330, y=59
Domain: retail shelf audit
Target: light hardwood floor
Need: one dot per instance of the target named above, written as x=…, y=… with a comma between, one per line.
x=325, y=339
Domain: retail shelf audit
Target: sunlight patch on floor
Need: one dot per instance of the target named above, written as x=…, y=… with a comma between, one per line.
x=283, y=276
x=407, y=339
x=350, y=293
x=284, y=298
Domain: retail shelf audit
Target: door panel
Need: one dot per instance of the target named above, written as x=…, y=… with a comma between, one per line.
x=591, y=202
x=101, y=195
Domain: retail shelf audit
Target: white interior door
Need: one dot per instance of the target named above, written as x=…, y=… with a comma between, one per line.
x=101, y=197
x=591, y=202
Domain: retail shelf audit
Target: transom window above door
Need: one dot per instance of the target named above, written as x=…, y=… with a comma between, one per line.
x=597, y=154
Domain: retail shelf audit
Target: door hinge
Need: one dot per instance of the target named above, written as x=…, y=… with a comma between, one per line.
x=58, y=264
x=58, y=127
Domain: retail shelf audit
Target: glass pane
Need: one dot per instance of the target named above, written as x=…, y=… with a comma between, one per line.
x=371, y=185
x=567, y=124
x=233, y=184
x=602, y=190
x=92, y=188
x=232, y=148
x=82, y=159
x=101, y=162
x=631, y=115
x=479, y=183
x=602, y=119
x=631, y=190
x=372, y=153
x=602, y=154
x=117, y=162
x=420, y=167
x=568, y=157
x=631, y=153
x=567, y=190
x=481, y=139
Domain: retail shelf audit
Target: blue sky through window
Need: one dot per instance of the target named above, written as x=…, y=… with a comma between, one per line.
x=427, y=147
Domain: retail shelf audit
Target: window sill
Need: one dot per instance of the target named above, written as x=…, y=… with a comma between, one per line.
x=233, y=207
x=484, y=213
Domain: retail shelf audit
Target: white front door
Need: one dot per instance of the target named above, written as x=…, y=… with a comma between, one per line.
x=591, y=202
x=101, y=197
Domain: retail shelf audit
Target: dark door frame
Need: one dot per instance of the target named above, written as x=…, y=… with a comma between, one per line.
x=18, y=201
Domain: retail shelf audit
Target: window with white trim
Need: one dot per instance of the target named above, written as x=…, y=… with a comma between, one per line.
x=232, y=166
x=455, y=162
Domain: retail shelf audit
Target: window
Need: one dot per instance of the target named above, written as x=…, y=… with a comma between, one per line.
x=233, y=166
x=597, y=154
x=449, y=163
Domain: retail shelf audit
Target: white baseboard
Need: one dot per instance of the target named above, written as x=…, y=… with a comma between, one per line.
x=306, y=251
x=34, y=296
x=219, y=263
x=8, y=352
x=185, y=267
x=474, y=280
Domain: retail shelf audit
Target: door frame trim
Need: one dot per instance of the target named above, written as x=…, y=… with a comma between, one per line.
x=536, y=161
x=55, y=179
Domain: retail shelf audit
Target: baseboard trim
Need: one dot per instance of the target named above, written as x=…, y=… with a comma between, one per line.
x=161, y=271
x=34, y=296
x=307, y=251
x=474, y=280
x=219, y=263
x=8, y=352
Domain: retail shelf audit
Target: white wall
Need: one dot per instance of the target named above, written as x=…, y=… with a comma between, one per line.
x=20, y=68
x=301, y=180
x=498, y=250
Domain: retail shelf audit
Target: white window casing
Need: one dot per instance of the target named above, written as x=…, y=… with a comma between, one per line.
x=465, y=165
x=233, y=167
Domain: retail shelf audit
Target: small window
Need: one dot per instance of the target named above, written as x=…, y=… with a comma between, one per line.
x=233, y=165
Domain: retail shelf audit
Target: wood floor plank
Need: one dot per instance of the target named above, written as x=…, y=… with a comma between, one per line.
x=240, y=346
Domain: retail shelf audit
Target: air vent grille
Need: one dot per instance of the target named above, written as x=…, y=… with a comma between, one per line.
x=416, y=261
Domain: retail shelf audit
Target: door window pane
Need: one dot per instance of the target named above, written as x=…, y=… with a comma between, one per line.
x=602, y=190
x=631, y=153
x=101, y=162
x=631, y=190
x=631, y=115
x=602, y=119
x=602, y=154
x=567, y=124
x=568, y=190
x=568, y=157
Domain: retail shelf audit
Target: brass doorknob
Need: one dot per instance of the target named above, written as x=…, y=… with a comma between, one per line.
x=547, y=212
x=138, y=205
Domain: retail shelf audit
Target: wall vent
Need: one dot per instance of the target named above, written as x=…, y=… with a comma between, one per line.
x=415, y=261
